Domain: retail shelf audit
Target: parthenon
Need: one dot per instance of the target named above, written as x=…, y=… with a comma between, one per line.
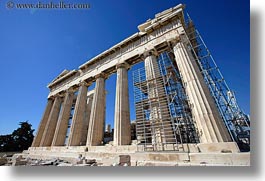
x=179, y=103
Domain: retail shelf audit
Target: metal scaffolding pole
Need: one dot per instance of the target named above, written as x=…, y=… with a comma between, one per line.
x=153, y=131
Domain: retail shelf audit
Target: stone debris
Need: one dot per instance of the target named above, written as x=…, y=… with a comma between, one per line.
x=18, y=160
x=83, y=161
x=53, y=162
x=82, y=164
x=80, y=161
x=34, y=162
x=90, y=161
x=64, y=164
x=6, y=159
x=3, y=161
x=125, y=160
x=115, y=164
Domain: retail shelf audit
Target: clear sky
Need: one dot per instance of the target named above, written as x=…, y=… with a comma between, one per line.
x=37, y=45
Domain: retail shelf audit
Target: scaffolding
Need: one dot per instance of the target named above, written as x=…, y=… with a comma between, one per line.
x=163, y=117
x=237, y=122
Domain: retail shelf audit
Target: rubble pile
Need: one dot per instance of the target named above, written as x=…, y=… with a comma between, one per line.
x=3, y=161
x=25, y=160
x=19, y=160
x=6, y=160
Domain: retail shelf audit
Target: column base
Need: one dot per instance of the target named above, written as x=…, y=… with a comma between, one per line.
x=220, y=147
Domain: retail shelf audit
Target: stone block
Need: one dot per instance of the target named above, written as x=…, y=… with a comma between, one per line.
x=225, y=159
x=125, y=159
x=154, y=163
x=193, y=148
x=161, y=157
x=184, y=164
x=222, y=147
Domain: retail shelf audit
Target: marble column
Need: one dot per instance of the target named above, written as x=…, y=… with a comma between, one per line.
x=75, y=136
x=205, y=114
x=44, y=120
x=122, y=126
x=97, y=118
x=160, y=118
x=62, y=125
x=51, y=123
x=87, y=118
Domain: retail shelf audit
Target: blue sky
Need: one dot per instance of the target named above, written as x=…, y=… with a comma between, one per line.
x=37, y=45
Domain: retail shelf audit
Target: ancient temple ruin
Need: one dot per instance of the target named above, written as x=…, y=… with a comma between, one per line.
x=185, y=112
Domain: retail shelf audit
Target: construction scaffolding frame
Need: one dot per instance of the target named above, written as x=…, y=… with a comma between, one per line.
x=178, y=121
x=237, y=122
x=163, y=117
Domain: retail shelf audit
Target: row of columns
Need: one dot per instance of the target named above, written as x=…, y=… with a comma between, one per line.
x=53, y=127
x=88, y=121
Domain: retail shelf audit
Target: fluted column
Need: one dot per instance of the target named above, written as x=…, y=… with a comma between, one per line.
x=122, y=127
x=205, y=113
x=97, y=118
x=62, y=125
x=44, y=120
x=51, y=124
x=87, y=118
x=75, y=137
x=159, y=113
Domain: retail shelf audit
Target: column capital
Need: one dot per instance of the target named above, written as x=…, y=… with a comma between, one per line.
x=70, y=90
x=101, y=75
x=123, y=65
x=149, y=53
x=174, y=41
x=61, y=94
x=53, y=97
x=84, y=83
